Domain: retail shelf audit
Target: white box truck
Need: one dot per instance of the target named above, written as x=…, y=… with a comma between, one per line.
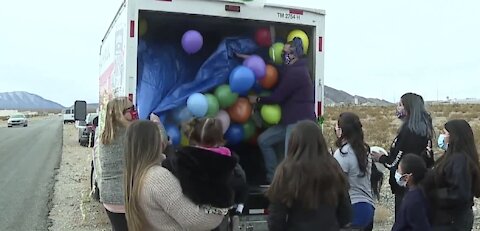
x=119, y=70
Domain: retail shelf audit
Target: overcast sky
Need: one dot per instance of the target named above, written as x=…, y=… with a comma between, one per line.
x=373, y=48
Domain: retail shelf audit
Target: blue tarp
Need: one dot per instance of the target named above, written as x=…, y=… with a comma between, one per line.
x=168, y=76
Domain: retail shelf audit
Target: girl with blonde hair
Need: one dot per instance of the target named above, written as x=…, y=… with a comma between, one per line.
x=120, y=113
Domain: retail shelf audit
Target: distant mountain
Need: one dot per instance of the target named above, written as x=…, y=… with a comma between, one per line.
x=336, y=97
x=26, y=101
x=21, y=100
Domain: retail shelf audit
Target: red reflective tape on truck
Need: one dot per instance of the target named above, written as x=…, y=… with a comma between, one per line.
x=319, y=108
x=320, y=44
x=294, y=11
x=164, y=0
x=232, y=8
x=132, y=28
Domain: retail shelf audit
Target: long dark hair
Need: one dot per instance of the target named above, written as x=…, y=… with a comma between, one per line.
x=352, y=133
x=461, y=141
x=309, y=175
x=417, y=119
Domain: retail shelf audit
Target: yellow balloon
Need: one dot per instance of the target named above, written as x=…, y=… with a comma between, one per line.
x=184, y=141
x=142, y=27
x=302, y=35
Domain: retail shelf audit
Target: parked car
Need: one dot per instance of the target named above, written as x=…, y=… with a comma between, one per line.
x=17, y=120
x=68, y=116
x=86, y=134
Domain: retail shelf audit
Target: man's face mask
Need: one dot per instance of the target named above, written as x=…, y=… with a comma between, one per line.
x=288, y=55
x=442, y=142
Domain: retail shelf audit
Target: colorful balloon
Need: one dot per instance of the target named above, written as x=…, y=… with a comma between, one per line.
x=299, y=34
x=271, y=77
x=142, y=27
x=234, y=134
x=225, y=96
x=256, y=64
x=249, y=130
x=192, y=41
x=174, y=133
x=213, y=105
x=263, y=37
x=241, y=79
x=224, y=119
x=241, y=111
x=197, y=104
x=275, y=53
x=180, y=115
x=272, y=114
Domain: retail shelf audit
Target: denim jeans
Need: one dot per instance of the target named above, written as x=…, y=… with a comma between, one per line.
x=267, y=141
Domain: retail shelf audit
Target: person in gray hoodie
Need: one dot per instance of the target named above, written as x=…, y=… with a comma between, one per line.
x=119, y=114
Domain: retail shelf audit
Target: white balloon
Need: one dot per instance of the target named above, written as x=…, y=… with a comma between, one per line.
x=380, y=166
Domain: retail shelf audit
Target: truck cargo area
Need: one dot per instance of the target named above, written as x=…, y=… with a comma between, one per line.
x=168, y=28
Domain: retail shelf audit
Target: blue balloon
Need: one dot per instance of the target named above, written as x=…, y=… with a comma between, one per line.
x=197, y=104
x=241, y=79
x=181, y=114
x=174, y=133
x=234, y=134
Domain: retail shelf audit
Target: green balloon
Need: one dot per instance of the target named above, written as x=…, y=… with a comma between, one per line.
x=249, y=129
x=271, y=114
x=213, y=105
x=225, y=96
x=275, y=53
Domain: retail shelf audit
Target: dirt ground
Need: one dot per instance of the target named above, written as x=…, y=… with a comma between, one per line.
x=73, y=209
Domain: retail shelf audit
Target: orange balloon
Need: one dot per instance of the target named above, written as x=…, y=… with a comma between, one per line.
x=240, y=111
x=271, y=77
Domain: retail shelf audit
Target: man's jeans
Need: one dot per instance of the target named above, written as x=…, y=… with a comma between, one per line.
x=267, y=141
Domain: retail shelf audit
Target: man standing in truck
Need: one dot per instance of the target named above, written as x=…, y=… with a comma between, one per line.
x=295, y=94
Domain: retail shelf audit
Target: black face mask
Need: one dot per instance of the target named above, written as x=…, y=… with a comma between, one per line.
x=288, y=58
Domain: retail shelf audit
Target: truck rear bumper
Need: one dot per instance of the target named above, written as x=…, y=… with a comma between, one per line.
x=253, y=223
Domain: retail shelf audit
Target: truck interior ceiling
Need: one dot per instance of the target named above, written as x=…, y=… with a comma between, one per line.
x=165, y=31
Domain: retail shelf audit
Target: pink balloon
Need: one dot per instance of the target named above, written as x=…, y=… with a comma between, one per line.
x=224, y=120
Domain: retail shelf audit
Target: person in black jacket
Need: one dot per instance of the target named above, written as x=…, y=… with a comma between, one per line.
x=414, y=212
x=414, y=136
x=455, y=179
x=309, y=189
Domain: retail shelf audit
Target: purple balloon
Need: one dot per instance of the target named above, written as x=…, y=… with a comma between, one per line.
x=257, y=65
x=224, y=120
x=192, y=41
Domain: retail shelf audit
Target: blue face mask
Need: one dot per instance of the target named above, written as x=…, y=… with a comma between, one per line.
x=441, y=142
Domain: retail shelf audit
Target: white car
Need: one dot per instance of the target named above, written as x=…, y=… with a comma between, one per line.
x=17, y=120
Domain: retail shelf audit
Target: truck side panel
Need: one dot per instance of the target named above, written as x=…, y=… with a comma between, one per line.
x=112, y=80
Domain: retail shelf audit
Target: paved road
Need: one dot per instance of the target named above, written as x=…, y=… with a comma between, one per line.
x=29, y=158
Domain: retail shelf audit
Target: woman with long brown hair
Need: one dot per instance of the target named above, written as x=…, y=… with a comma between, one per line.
x=455, y=179
x=353, y=156
x=153, y=195
x=119, y=114
x=309, y=190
